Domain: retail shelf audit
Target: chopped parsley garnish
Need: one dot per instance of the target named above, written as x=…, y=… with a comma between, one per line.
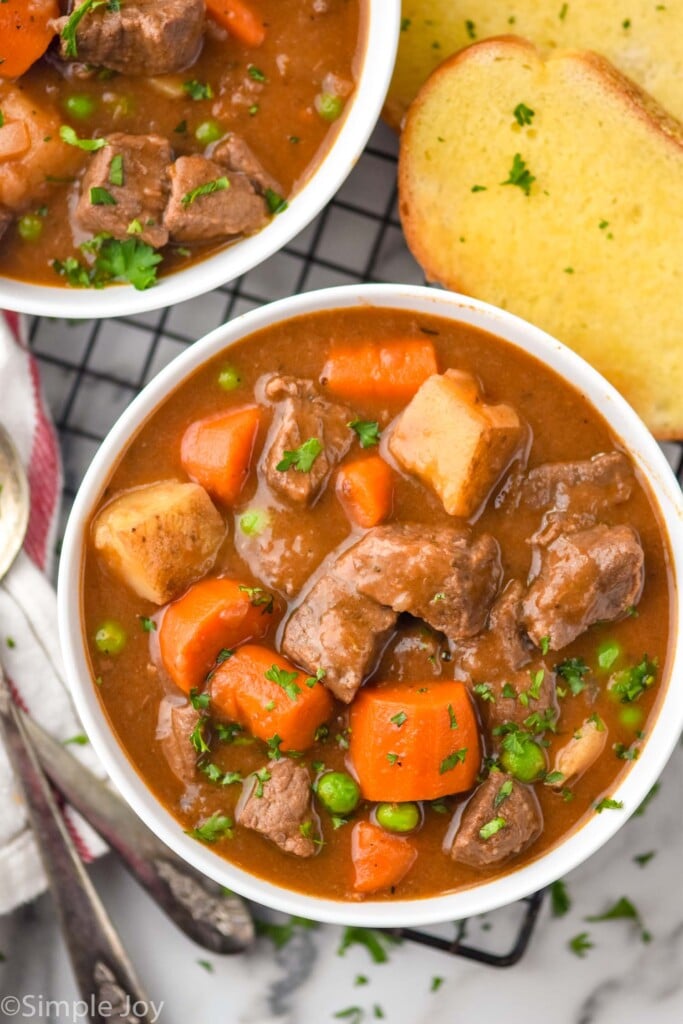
x=439, y=807
x=368, y=432
x=255, y=73
x=68, y=33
x=641, y=859
x=254, y=522
x=608, y=804
x=608, y=654
x=133, y=261
x=280, y=934
x=68, y=135
x=559, y=898
x=520, y=175
x=523, y=115
x=597, y=722
x=452, y=720
x=553, y=778
x=320, y=674
x=399, y=718
x=544, y=644
x=478, y=188
x=503, y=793
x=625, y=753
x=101, y=197
x=214, y=774
x=207, y=189
x=471, y=29
x=79, y=740
x=198, y=90
x=484, y=691
x=536, y=683
x=116, y=170
x=492, y=827
x=572, y=670
x=374, y=941
x=227, y=732
x=630, y=684
x=509, y=691
x=352, y=1014
x=438, y=597
x=199, y=701
x=261, y=776
x=623, y=909
x=449, y=763
x=306, y=828
x=286, y=680
x=273, y=744
x=436, y=983
x=580, y=944
x=148, y=625
x=276, y=202
x=301, y=458
x=218, y=826
x=198, y=737
x=392, y=758
x=260, y=598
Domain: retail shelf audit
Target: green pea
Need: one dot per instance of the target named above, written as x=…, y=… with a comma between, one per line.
x=229, y=379
x=208, y=131
x=110, y=638
x=398, y=817
x=329, y=106
x=80, y=105
x=631, y=717
x=338, y=793
x=522, y=757
x=30, y=227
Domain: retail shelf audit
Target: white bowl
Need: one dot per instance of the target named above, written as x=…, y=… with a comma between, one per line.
x=517, y=882
x=382, y=28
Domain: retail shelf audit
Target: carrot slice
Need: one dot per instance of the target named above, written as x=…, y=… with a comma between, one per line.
x=379, y=859
x=391, y=371
x=214, y=615
x=216, y=451
x=240, y=19
x=25, y=33
x=262, y=691
x=365, y=490
x=416, y=742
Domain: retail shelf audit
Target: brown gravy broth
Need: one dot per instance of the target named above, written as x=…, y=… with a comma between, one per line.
x=276, y=117
x=563, y=427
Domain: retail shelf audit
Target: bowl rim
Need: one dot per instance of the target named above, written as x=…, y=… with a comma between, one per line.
x=516, y=883
x=382, y=25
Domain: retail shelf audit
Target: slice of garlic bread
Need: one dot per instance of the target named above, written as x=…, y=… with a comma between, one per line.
x=554, y=189
x=642, y=38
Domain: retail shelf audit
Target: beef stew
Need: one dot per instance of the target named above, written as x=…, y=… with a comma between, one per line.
x=137, y=137
x=395, y=710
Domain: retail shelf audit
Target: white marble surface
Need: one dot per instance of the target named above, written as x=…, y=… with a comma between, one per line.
x=620, y=980
x=91, y=372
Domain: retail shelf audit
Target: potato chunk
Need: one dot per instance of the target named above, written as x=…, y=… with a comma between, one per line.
x=454, y=442
x=581, y=752
x=31, y=151
x=159, y=539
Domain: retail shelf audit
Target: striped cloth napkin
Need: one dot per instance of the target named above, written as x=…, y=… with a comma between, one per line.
x=29, y=644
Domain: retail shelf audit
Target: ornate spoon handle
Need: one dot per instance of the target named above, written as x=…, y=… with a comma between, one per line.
x=104, y=974
x=209, y=915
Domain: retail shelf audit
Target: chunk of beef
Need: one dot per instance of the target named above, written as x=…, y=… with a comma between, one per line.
x=140, y=166
x=206, y=205
x=282, y=808
x=5, y=220
x=513, y=697
x=443, y=575
x=234, y=153
x=580, y=752
x=522, y=823
x=301, y=414
x=140, y=37
x=159, y=538
x=337, y=629
x=415, y=654
x=504, y=647
x=176, y=722
x=589, y=486
x=589, y=576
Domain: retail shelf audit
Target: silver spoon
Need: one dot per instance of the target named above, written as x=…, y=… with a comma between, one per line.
x=207, y=913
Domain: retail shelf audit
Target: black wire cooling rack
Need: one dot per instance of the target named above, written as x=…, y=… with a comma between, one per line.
x=91, y=371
